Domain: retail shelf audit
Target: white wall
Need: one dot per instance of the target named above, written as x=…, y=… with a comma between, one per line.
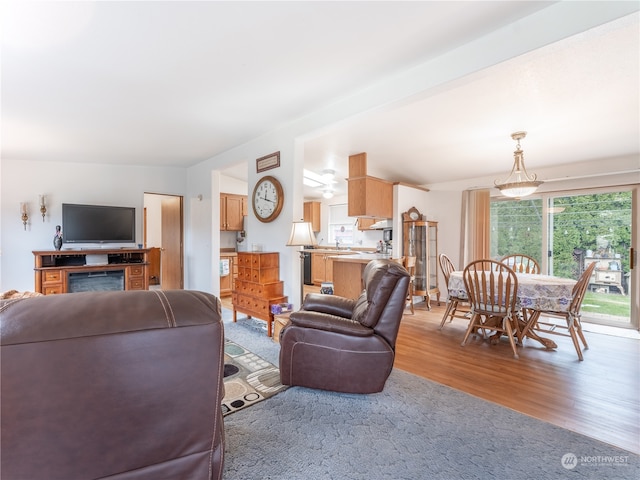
x=124, y=185
x=445, y=207
x=61, y=182
x=153, y=206
x=233, y=185
x=203, y=238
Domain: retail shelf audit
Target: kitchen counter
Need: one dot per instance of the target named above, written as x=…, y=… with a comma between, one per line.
x=342, y=251
x=361, y=257
x=347, y=272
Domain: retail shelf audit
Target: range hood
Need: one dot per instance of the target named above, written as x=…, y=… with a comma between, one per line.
x=381, y=224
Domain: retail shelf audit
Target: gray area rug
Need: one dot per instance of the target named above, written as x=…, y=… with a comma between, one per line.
x=414, y=429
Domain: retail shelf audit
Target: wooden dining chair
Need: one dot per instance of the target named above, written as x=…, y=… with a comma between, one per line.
x=521, y=263
x=456, y=307
x=573, y=327
x=399, y=260
x=410, y=264
x=492, y=289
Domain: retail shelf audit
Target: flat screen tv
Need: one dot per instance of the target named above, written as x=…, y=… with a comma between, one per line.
x=98, y=224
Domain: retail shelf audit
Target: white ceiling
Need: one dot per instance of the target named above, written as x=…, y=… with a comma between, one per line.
x=175, y=83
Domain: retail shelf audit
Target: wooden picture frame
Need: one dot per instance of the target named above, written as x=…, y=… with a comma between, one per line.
x=268, y=162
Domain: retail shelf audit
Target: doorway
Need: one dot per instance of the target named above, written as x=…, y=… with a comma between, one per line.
x=163, y=228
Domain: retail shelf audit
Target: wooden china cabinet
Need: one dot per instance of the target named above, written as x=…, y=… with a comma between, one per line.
x=420, y=240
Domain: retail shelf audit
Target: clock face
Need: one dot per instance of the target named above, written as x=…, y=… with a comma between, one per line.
x=413, y=213
x=268, y=198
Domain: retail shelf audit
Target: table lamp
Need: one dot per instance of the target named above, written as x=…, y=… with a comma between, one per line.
x=301, y=235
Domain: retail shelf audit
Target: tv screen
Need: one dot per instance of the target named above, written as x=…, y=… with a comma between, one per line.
x=98, y=224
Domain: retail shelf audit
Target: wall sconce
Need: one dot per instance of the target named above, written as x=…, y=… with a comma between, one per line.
x=43, y=207
x=24, y=211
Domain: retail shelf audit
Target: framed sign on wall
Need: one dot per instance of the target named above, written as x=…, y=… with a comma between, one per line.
x=268, y=162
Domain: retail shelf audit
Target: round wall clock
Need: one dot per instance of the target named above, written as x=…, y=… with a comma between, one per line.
x=267, y=199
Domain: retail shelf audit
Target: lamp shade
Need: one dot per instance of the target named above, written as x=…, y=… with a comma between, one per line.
x=518, y=189
x=301, y=234
x=519, y=183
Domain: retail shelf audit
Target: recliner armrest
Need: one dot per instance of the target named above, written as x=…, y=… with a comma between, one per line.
x=329, y=323
x=331, y=304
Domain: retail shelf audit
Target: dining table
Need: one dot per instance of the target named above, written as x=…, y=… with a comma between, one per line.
x=535, y=292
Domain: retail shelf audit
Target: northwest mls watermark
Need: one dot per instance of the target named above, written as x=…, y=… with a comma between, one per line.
x=571, y=461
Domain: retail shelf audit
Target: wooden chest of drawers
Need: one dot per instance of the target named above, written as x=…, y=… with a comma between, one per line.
x=258, y=286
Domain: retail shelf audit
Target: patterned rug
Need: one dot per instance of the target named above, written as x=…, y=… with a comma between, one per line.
x=248, y=378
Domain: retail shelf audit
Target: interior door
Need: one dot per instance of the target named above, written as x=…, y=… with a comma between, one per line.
x=172, y=264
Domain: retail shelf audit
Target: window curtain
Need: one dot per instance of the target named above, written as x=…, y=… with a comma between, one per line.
x=475, y=226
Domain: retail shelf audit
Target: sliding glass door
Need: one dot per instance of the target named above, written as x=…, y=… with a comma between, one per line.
x=594, y=228
x=567, y=232
x=517, y=227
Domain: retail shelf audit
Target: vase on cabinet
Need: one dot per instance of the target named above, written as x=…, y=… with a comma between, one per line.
x=57, y=239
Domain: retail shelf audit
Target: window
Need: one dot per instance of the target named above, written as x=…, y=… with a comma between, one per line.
x=340, y=225
x=516, y=227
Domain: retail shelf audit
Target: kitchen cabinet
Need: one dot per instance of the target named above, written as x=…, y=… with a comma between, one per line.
x=420, y=240
x=367, y=196
x=322, y=265
x=321, y=268
x=364, y=223
x=228, y=272
x=233, y=209
x=312, y=215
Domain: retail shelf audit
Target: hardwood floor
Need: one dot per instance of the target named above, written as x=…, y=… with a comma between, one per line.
x=599, y=397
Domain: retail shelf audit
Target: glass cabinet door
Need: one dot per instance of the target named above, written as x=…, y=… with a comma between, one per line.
x=421, y=241
x=432, y=230
x=418, y=249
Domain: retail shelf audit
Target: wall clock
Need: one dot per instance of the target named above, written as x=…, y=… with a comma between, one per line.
x=267, y=199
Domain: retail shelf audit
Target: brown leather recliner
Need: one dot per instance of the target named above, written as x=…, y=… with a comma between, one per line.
x=346, y=345
x=120, y=385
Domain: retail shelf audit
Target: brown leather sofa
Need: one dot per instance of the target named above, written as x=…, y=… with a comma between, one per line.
x=119, y=385
x=346, y=345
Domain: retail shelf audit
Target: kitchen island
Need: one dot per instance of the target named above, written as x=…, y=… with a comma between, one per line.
x=347, y=272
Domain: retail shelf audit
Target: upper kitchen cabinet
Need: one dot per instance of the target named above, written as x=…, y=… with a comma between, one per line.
x=312, y=215
x=372, y=223
x=367, y=196
x=233, y=208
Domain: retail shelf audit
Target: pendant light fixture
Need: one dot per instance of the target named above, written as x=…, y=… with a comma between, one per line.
x=519, y=183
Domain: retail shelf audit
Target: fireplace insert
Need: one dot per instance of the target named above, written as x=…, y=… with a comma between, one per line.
x=95, y=281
